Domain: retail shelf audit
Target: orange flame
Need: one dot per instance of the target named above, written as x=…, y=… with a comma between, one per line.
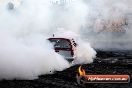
x=81, y=71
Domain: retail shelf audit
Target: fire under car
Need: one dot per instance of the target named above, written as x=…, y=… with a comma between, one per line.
x=65, y=47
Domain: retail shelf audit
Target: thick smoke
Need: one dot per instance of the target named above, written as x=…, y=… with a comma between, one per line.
x=25, y=25
x=109, y=24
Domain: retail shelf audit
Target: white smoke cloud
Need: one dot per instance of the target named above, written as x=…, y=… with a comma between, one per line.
x=28, y=57
x=25, y=52
x=84, y=52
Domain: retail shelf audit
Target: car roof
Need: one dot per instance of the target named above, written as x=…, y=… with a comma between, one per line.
x=61, y=38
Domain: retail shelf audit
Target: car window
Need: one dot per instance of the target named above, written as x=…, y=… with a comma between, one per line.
x=60, y=43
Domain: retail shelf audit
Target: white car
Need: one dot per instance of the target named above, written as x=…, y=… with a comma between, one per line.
x=65, y=47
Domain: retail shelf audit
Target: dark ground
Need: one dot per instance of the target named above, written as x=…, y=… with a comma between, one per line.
x=107, y=62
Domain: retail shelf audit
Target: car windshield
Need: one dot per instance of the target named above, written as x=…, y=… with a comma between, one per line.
x=60, y=43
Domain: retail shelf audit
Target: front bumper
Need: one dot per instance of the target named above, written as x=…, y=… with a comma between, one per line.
x=70, y=59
